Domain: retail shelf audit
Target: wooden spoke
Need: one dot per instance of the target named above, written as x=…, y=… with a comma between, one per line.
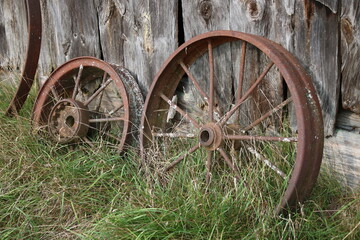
x=261, y=138
x=241, y=73
x=77, y=82
x=102, y=88
x=179, y=159
x=229, y=162
x=259, y=157
x=211, y=78
x=268, y=114
x=179, y=110
x=246, y=95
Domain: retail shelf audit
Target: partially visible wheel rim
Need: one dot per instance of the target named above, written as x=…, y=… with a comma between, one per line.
x=308, y=113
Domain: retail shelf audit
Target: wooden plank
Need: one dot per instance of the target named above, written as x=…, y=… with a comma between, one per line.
x=200, y=17
x=316, y=41
x=331, y=4
x=349, y=121
x=350, y=50
x=70, y=29
x=13, y=34
x=341, y=154
x=273, y=21
x=150, y=34
x=111, y=31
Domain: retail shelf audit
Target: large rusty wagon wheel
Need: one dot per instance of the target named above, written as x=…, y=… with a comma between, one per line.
x=89, y=101
x=242, y=108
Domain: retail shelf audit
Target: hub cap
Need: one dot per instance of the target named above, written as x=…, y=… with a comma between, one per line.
x=68, y=121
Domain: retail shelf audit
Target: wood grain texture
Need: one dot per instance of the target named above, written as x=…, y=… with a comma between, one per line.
x=350, y=50
x=261, y=18
x=70, y=29
x=341, y=154
x=316, y=41
x=139, y=34
x=13, y=34
x=202, y=16
x=331, y=4
x=349, y=121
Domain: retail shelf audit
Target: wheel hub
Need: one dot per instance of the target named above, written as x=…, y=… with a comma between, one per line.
x=210, y=136
x=68, y=121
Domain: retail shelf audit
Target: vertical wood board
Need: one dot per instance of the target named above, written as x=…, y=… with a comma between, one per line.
x=70, y=29
x=350, y=51
x=316, y=41
x=13, y=34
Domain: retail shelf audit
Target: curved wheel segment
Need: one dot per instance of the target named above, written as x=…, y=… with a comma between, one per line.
x=32, y=57
x=236, y=106
x=87, y=100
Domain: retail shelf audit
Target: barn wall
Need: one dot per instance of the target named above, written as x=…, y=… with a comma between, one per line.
x=324, y=35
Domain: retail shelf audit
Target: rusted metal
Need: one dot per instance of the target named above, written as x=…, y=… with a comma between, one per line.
x=72, y=108
x=68, y=121
x=32, y=57
x=213, y=134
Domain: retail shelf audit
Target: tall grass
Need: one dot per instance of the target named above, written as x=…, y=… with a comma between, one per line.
x=49, y=191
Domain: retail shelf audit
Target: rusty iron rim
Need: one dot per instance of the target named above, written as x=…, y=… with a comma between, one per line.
x=69, y=114
x=32, y=57
x=309, y=140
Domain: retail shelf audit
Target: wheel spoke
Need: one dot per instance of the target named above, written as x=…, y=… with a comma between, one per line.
x=208, y=167
x=246, y=95
x=174, y=135
x=55, y=94
x=241, y=73
x=77, y=82
x=261, y=138
x=179, y=110
x=259, y=157
x=211, y=87
x=102, y=88
x=179, y=159
x=229, y=162
x=99, y=120
x=116, y=109
x=105, y=133
x=102, y=93
x=268, y=114
x=88, y=141
x=197, y=85
x=194, y=81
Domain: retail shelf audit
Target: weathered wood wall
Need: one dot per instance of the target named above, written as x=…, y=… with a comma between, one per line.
x=13, y=34
x=323, y=34
x=350, y=51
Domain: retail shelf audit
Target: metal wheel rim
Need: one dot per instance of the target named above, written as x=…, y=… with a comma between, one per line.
x=310, y=141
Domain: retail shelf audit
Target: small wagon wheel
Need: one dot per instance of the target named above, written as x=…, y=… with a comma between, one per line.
x=238, y=127
x=87, y=100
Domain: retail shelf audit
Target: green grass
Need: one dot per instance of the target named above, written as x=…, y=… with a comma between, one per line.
x=50, y=192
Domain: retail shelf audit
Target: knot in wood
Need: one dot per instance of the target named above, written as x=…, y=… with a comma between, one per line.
x=206, y=8
x=255, y=9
